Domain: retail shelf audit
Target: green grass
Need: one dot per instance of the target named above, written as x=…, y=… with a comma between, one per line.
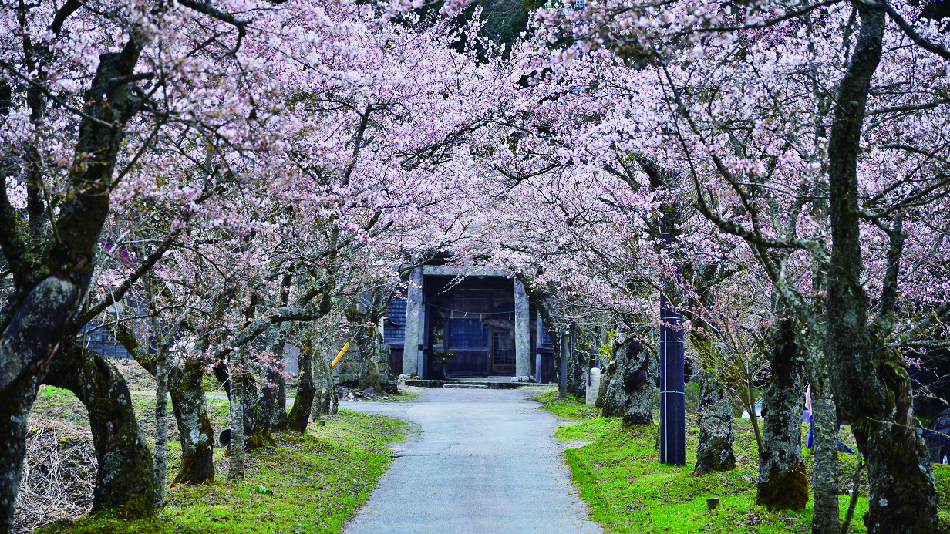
x=942, y=477
x=58, y=403
x=308, y=483
x=402, y=396
x=619, y=475
x=569, y=407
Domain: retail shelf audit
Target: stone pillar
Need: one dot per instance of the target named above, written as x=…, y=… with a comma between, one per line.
x=593, y=386
x=522, y=331
x=410, y=353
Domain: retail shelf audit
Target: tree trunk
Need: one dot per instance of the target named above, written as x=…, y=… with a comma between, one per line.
x=903, y=497
x=191, y=413
x=322, y=375
x=28, y=345
x=236, y=445
x=783, y=482
x=273, y=394
x=194, y=428
x=714, y=452
x=124, y=480
x=873, y=385
x=369, y=355
x=325, y=386
x=577, y=366
x=629, y=384
x=248, y=396
x=41, y=306
x=548, y=320
x=15, y=404
x=299, y=415
x=826, y=519
x=334, y=398
x=257, y=427
x=159, y=467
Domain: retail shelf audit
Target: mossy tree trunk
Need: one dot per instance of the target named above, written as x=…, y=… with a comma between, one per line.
x=826, y=518
x=236, y=445
x=368, y=345
x=629, y=384
x=333, y=397
x=51, y=276
x=257, y=427
x=783, y=482
x=196, y=435
x=548, y=321
x=247, y=394
x=299, y=415
x=715, y=452
x=872, y=385
x=30, y=342
x=578, y=362
x=189, y=406
x=902, y=492
x=371, y=307
x=124, y=480
x=273, y=397
x=15, y=404
x=273, y=393
x=324, y=384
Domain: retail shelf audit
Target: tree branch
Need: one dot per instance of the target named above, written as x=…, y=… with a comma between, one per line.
x=909, y=30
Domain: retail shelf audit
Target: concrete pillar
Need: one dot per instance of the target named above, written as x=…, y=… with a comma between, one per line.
x=414, y=322
x=522, y=331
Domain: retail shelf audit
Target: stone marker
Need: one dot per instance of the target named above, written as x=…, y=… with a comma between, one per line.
x=593, y=386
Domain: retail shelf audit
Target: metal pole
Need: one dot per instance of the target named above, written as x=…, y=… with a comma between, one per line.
x=672, y=386
x=565, y=351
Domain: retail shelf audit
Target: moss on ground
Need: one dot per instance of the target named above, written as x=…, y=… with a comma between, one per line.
x=942, y=476
x=569, y=407
x=628, y=490
x=306, y=483
x=619, y=475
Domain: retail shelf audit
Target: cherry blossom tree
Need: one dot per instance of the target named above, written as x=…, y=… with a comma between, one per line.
x=768, y=106
x=90, y=85
x=741, y=103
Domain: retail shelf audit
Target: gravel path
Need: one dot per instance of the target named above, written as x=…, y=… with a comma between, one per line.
x=481, y=462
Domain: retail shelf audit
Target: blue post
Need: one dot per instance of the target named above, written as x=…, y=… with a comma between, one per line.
x=565, y=354
x=672, y=386
x=672, y=382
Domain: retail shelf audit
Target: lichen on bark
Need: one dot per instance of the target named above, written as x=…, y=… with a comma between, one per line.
x=783, y=483
x=194, y=427
x=629, y=384
x=715, y=452
x=29, y=344
x=124, y=481
x=196, y=435
x=299, y=415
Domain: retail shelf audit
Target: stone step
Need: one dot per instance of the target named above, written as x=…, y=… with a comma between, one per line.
x=465, y=386
x=452, y=383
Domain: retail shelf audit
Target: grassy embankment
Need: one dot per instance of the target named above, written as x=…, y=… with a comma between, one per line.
x=308, y=483
x=619, y=475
